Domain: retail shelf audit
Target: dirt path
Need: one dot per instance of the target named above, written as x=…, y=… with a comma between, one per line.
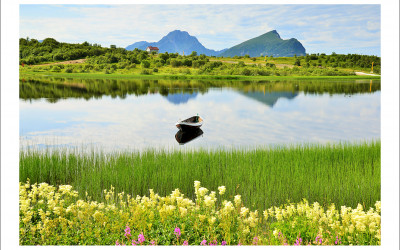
x=65, y=62
x=364, y=74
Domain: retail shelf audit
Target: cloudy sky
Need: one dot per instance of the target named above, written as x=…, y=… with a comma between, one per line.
x=320, y=28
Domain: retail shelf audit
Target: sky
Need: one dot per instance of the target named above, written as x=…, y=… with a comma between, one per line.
x=325, y=28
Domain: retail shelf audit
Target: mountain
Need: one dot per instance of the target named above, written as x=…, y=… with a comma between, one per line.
x=267, y=44
x=177, y=41
x=270, y=99
x=180, y=97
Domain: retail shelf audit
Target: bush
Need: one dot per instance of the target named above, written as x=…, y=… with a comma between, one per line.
x=155, y=70
x=145, y=64
x=56, y=69
x=241, y=64
x=175, y=63
x=246, y=72
x=145, y=72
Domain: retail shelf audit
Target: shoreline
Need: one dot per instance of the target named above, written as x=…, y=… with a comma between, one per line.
x=190, y=77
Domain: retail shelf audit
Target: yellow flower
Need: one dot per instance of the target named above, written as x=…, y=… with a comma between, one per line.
x=196, y=185
x=208, y=201
x=221, y=190
x=351, y=228
x=378, y=206
x=244, y=211
x=246, y=230
x=212, y=220
x=238, y=200
x=265, y=213
x=275, y=233
x=203, y=191
x=202, y=217
x=182, y=211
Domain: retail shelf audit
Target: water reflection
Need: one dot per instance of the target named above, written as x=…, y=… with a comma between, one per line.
x=181, y=91
x=180, y=98
x=185, y=136
x=138, y=114
x=269, y=99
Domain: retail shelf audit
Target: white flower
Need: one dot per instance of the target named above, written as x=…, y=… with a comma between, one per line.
x=244, y=211
x=196, y=185
x=203, y=191
x=238, y=200
x=221, y=190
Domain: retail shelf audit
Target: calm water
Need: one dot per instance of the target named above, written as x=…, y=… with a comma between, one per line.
x=113, y=115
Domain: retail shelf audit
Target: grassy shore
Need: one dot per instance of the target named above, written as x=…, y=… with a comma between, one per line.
x=344, y=173
x=185, y=76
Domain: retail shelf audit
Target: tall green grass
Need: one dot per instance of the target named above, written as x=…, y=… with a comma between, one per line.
x=342, y=173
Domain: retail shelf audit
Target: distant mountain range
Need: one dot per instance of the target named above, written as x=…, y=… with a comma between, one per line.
x=267, y=44
x=177, y=41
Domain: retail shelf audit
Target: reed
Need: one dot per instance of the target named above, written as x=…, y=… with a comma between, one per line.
x=340, y=173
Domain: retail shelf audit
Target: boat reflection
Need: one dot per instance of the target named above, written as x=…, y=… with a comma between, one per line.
x=185, y=136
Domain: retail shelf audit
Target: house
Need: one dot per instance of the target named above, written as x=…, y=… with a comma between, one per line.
x=151, y=49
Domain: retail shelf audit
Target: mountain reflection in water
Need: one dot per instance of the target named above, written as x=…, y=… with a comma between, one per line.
x=180, y=98
x=138, y=114
x=181, y=91
x=185, y=136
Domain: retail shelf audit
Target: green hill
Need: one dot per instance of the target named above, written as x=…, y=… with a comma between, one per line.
x=267, y=44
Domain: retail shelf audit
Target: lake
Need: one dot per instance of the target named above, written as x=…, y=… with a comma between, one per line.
x=139, y=114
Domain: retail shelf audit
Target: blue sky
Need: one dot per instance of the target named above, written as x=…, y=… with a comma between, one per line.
x=320, y=28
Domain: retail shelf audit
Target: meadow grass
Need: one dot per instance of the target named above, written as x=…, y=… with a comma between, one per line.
x=340, y=173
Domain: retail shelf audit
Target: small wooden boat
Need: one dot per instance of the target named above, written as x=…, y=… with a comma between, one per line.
x=185, y=136
x=193, y=122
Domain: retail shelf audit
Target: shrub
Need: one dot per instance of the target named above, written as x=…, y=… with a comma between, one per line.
x=56, y=69
x=145, y=64
x=145, y=72
x=175, y=63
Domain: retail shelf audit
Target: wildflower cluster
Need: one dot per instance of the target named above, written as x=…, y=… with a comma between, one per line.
x=55, y=216
x=331, y=227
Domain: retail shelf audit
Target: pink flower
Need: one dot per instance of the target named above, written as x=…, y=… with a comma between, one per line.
x=141, y=238
x=338, y=240
x=117, y=243
x=255, y=240
x=223, y=243
x=134, y=242
x=185, y=243
x=152, y=242
x=177, y=232
x=298, y=241
x=203, y=243
x=127, y=231
x=213, y=243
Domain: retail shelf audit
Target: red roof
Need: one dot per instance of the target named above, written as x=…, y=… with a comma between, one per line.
x=152, y=48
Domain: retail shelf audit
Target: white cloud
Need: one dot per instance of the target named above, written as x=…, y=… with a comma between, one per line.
x=216, y=26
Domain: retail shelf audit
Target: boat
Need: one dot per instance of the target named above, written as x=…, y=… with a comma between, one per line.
x=185, y=136
x=193, y=122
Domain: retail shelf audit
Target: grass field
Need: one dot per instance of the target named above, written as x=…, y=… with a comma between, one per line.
x=342, y=173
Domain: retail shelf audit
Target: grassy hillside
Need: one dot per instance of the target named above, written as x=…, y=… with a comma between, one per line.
x=98, y=60
x=267, y=44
